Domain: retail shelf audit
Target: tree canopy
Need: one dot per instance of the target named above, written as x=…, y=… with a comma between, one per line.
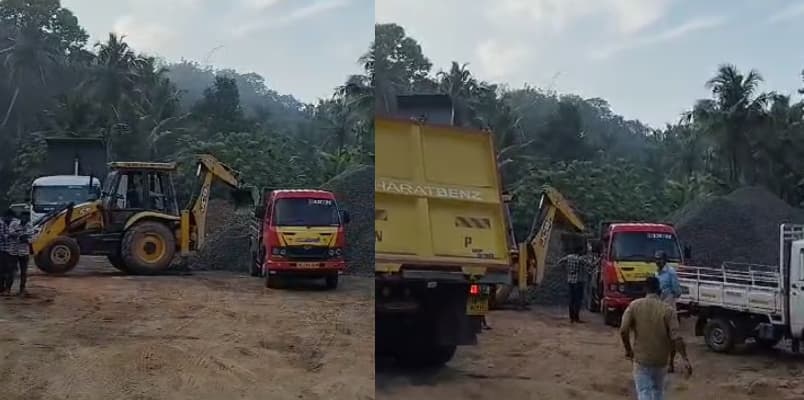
x=611, y=167
x=54, y=83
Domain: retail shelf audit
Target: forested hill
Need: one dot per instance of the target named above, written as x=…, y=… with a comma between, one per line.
x=56, y=83
x=612, y=168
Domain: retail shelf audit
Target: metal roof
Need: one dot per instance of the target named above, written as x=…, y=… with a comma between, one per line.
x=64, y=180
x=171, y=166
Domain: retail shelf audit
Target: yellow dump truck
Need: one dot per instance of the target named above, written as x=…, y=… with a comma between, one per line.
x=440, y=238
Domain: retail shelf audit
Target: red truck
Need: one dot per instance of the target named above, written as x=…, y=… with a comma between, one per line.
x=627, y=251
x=298, y=233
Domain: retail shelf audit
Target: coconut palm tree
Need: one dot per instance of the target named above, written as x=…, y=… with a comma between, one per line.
x=734, y=113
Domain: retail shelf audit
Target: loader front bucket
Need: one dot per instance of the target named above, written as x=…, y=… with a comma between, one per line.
x=245, y=197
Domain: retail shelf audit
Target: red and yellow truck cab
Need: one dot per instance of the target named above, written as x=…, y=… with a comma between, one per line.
x=298, y=233
x=627, y=251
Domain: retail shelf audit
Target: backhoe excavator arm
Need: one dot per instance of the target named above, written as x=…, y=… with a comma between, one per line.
x=552, y=206
x=193, y=221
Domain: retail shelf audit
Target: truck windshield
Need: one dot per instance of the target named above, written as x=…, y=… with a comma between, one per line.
x=46, y=197
x=642, y=246
x=306, y=212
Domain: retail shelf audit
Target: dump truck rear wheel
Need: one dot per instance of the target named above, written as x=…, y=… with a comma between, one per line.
x=427, y=356
x=148, y=248
x=59, y=257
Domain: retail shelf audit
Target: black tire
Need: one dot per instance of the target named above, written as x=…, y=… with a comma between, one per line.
x=59, y=257
x=148, y=248
x=117, y=261
x=331, y=282
x=719, y=335
x=611, y=318
x=273, y=281
x=426, y=356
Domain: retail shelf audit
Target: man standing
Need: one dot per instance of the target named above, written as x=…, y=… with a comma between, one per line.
x=6, y=265
x=21, y=230
x=577, y=269
x=656, y=333
x=670, y=291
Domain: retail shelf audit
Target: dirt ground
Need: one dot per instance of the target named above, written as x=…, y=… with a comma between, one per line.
x=537, y=354
x=95, y=334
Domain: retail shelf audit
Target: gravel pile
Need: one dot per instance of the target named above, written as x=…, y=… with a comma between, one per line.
x=227, y=243
x=741, y=227
x=354, y=190
x=553, y=290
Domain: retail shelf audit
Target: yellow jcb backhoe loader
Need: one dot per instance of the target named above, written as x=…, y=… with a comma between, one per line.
x=135, y=222
x=531, y=254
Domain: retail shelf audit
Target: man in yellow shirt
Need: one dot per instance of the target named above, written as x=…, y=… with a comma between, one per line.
x=656, y=333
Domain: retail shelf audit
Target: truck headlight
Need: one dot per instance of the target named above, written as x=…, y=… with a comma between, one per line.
x=279, y=251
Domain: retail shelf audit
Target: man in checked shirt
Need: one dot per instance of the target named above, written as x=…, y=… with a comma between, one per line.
x=577, y=266
x=6, y=265
x=20, y=230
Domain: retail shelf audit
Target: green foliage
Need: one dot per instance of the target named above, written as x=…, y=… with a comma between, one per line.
x=610, y=167
x=53, y=85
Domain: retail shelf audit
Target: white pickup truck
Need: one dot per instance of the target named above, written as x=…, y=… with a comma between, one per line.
x=740, y=301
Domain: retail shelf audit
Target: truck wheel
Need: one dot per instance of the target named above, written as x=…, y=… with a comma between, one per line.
x=331, y=282
x=117, y=261
x=59, y=257
x=719, y=335
x=148, y=247
x=427, y=357
x=273, y=281
x=611, y=318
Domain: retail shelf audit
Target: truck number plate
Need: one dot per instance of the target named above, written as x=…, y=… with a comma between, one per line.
x=307, y=265
x=477, y=305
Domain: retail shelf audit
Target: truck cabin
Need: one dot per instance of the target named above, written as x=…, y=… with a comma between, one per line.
x=628, y=257
x=302, y=208
x=49, y=193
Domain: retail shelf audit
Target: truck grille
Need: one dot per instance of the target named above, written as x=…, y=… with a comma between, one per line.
x=307, y=252
x=634, y=289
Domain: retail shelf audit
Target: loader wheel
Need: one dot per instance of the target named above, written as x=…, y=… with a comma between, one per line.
x=59, y=257
x=117, y=261
x=148, y=248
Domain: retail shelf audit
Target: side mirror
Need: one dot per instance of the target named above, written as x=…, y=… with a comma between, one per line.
x=345, y=217
x=687, y=253
x=259, y=211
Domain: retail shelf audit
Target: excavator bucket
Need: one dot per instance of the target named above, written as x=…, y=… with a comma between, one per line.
x=244, y=197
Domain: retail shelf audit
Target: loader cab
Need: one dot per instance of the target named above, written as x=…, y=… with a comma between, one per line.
x=135, y=187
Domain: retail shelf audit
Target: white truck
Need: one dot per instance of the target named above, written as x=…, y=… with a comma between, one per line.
x=740, y=301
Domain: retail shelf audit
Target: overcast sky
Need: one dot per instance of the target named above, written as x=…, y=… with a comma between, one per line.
x=648, y=58
x=302, y=47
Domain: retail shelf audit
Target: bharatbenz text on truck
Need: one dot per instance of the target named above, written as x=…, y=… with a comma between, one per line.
x=440, y=232
x=627, y=251
x=735, y=301
x=298, y=233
